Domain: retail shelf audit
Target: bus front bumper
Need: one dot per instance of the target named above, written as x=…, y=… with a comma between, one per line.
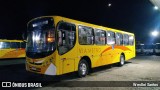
x=48, y=70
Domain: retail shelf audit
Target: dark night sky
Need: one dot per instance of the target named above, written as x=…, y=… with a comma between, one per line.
x=135, y=16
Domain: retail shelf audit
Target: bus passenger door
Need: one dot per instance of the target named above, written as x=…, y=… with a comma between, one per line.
x=68, y=61
x=66, y=46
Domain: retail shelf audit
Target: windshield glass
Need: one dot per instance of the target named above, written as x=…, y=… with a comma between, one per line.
x=40, y=41
x=40, y=38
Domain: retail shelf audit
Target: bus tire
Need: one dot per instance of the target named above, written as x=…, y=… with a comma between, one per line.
x=122, y=60
x=83, y=68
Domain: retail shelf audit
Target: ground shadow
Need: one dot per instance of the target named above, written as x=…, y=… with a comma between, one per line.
x=18, y=73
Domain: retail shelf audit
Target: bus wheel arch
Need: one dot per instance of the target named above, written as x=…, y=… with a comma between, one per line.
x=122, y=59
x=85, y=64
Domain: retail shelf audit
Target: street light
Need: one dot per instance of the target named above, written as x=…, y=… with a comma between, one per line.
x=109, y=4
x=156, y=8
x=155, y=33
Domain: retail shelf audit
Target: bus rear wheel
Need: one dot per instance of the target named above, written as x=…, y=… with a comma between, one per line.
x=83, y=68
x=122, y=60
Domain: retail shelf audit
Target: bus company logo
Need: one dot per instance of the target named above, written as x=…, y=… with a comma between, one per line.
x=90, y=50
x=6, y=84
x=15, y=84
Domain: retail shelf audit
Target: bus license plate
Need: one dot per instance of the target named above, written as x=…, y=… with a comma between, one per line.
x=33, y=68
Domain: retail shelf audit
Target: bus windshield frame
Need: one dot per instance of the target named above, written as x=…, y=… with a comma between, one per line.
x=41, y=38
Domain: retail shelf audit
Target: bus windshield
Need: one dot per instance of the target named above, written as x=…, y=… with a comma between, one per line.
x=40, y=38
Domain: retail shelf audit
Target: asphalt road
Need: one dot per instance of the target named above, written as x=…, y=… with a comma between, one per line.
x=141, y=68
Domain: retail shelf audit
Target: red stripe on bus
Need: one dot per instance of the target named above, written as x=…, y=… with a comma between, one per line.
x=117, y=47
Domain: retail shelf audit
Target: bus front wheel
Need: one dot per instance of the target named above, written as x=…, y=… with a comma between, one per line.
x=83, y=68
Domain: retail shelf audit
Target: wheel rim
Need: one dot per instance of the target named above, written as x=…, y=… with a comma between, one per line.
x=83, y=68
x=122, y=60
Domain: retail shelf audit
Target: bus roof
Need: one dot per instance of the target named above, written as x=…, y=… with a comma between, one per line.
x=92, y=25
x=84, y=24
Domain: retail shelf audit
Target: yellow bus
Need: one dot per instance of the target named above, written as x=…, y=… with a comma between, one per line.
x=57, y=45
x=12, y=49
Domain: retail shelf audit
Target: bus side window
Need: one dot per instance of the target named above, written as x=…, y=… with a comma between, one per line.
x=15, y=45
x=66, y=37
x=110, y=38
x=131, y=40
x=119, y=39
x=125, y=39
x=4, y=45
x=100, y=37
x=1, y=45
x=85, y=35
x=23, y=45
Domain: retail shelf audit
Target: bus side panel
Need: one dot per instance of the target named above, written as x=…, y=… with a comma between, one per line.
x=3, y=53
x=99, y=55
x=67, y=60
x=104, y=55
x=108, y=54
x=92, y=52
x=116, y=55
x=112, y=54
x=18, y=53
x=129, y=53
x=12, y=53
